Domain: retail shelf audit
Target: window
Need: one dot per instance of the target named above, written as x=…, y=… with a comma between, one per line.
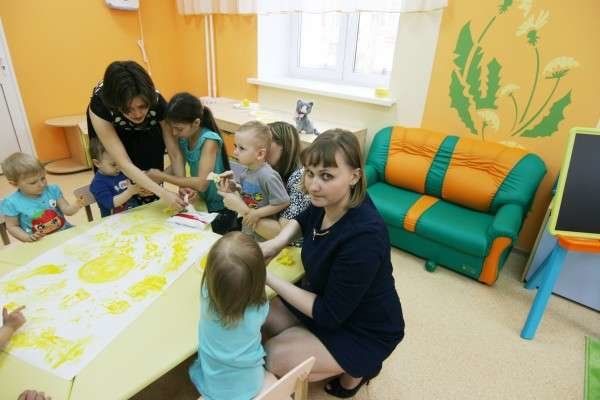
x=355, y=48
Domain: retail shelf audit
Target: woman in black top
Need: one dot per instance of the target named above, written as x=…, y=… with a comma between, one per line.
x=346, y=311
x=126, y=113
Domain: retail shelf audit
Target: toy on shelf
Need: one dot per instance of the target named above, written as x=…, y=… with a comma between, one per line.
x=303, y=124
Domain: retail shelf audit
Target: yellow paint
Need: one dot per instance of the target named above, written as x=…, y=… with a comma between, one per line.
x=51, y=288
x=57, y=349
x=180, y=248
x=13, y=287
x=286, y=258
x=77, y=297
x=152, y=251
x=12, y=306
x=203, y=262
x=144, y=229
x=106, y=268
x=103, y=236
x=116, y=306
x=47, y=269
x=124, y=247
x=152, y=283
x=79, y=253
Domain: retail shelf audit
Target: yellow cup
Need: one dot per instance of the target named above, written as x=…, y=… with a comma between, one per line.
x=382, y=92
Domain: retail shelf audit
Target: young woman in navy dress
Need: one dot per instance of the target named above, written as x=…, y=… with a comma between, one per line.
x=346, y=311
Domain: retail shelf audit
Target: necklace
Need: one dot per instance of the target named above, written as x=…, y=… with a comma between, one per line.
x=319, y=234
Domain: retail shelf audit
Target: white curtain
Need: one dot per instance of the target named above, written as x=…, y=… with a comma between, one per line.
x=194, y=7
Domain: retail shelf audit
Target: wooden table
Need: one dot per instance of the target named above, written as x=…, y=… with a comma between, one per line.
x=164, y=335
x=75, y=128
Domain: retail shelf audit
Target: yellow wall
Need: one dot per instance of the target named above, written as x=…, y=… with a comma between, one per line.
x=235, y=54
x=60, y=49
x=571, y=30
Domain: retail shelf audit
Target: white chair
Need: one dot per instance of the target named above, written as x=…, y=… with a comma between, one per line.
x=87, y=199
x=294, y=382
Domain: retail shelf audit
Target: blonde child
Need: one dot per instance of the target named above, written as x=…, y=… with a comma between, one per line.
x=233, y=308
x=260, y=185
x=111, y=188
x=36, y=209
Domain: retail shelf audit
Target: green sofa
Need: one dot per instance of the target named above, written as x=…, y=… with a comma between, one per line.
x=454, y=201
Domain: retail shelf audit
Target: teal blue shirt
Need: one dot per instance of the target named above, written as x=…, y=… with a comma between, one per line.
x=214, y=202
x=36, y=214
x=230, y=359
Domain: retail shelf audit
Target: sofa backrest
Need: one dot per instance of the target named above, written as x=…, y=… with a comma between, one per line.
x=475, y=174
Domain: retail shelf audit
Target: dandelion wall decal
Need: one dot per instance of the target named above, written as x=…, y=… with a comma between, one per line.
x=476, y=109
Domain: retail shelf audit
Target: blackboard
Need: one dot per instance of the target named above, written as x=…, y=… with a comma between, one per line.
x=576, y=207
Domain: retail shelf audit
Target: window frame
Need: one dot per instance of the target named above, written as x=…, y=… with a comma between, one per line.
x=346, y=56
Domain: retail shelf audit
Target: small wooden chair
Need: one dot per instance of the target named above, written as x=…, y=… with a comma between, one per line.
x=87, y=199
x=294, y=382
x=3, y=231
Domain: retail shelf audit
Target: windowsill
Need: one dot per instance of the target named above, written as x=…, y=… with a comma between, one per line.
x=345, y=92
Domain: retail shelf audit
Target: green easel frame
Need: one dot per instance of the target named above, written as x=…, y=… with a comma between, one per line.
x=561, y=186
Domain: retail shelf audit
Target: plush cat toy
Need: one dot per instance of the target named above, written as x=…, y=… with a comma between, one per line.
x=303, y=124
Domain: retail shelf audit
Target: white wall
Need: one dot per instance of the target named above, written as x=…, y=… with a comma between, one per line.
x=413, y=61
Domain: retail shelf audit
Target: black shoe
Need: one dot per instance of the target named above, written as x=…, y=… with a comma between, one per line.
x=335, y=388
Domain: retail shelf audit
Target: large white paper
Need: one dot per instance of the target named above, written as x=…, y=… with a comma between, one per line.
x=82, y=294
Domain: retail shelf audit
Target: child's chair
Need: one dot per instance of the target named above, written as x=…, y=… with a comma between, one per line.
x=87, y=199
x=295, y=381
x=3, y=231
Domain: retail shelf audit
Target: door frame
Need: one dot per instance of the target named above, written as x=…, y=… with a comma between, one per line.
x=14, y=99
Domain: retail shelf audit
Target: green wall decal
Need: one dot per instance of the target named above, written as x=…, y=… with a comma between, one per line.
x=466, y=95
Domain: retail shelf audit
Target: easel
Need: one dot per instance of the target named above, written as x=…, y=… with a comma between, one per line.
x=545, y=278
x=574, y=232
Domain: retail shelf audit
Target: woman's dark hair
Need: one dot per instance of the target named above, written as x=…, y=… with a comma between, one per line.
x=185, y=108
x=125, y=80
x=286, y=136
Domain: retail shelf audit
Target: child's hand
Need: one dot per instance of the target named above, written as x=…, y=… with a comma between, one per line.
x=143, y=192
x=189, y=192
x=35, y=236
x=251, y=218
x=155, y=174
x=33, y=395
x=14, y=319
x=173, y=201
x=133, y=188
x=80, y=202
x=234, y=202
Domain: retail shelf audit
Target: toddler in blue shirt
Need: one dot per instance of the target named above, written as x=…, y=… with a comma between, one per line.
x=36, y=209
x=233, y=306
x=111, y=188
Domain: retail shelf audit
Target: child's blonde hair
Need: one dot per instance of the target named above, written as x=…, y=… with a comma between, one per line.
x=235, y=277
x=261, y=132
x=21, y=165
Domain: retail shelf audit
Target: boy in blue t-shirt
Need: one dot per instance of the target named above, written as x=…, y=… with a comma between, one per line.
x=111, y=188
x=36, y=209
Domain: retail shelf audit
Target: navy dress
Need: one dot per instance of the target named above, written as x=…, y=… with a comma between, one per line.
x=357, y=313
